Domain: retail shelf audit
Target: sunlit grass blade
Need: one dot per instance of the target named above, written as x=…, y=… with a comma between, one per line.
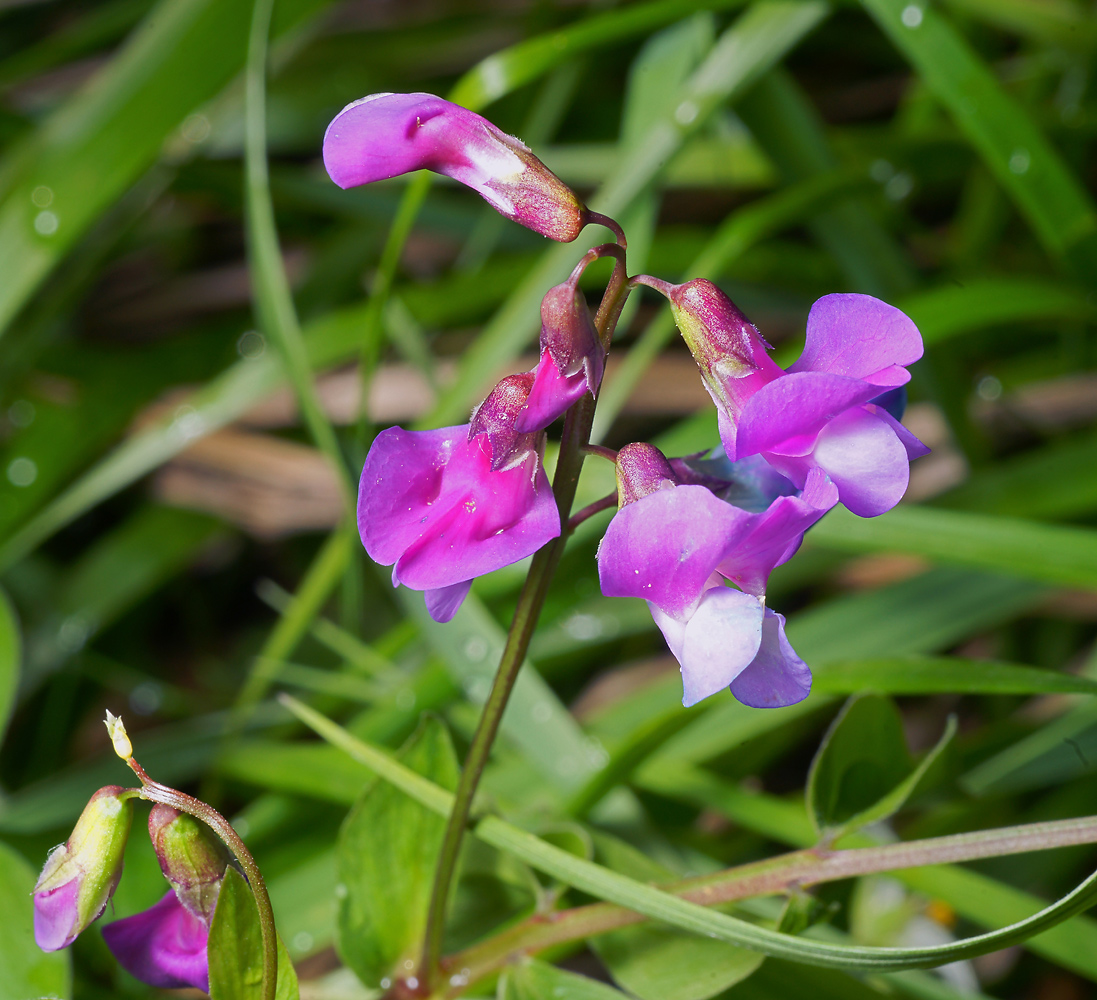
x=1051, y=198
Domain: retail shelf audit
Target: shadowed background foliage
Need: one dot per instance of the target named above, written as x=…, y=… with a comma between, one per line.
x=170, y=534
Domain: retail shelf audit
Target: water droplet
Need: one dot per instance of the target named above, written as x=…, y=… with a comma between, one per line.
x=911, y=16
x=46, y=223
x=22, y=471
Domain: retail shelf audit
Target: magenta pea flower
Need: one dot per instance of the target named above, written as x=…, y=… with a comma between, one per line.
x=675, y=545
x=821, y=413
x=163, y=946
x=445, y=506
x=383, y=135
x=80, y=876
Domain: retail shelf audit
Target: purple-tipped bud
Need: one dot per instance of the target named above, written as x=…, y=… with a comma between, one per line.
x=642, y=469
x=192, y=859
x=572, y=356
x=496, y=418
x=80, y=876
x=384, y=135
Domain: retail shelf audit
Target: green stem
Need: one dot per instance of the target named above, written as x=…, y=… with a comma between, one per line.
x=577, y=425
x=155, y=792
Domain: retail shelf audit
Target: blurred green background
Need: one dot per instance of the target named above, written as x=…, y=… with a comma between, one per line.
x=170, y=541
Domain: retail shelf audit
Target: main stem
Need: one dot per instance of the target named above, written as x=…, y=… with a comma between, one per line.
x=155, y=792
x=577, y=425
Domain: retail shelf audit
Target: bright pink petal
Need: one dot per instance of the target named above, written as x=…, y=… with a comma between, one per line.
x=777, y=676
x=665, y=546
x=866, y=460
x=163, y=946
x=786, y=415
x=429, y=502
x=860, y=337
x=552, y=393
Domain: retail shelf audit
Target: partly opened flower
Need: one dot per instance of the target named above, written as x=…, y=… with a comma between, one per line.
x=384, y=135
x=165, y=945
x=676, y=545
x=821, y=413
x=80, y=876
x=445, y=506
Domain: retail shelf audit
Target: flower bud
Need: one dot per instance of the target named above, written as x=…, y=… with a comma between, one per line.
x=192, y=859
x=496, y=418
x=572, y=356
x=383, y=135
x=80, y=876
x=724, y=343
x=642, y=469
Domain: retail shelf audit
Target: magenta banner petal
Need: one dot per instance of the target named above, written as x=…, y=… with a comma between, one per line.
x=721, y=639
x=665, y=546
x=866, y=460
x=859, y=336
x=777, y=676
x=785, y=415
x=443, y=603
x=163, y=946
x=384, y=135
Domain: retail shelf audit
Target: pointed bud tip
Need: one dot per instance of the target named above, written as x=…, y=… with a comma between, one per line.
x=118, y=736
x=642, y=469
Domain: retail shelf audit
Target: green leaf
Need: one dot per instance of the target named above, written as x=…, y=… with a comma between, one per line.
x=1051, y=553
x=1052, y=199
x=533, y=980
x=28, y=972
x=236, y=947
x=98, y=143
x=10, y=658
x=659, y=963
x=863, y=772
x=387, y=851
x=944, y=675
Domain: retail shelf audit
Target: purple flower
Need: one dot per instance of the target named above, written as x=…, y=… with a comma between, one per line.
x=163, y=946
x=821, y=413
x=448, y=505
x=80, y=876
x=676, y=545
x=572, y=356
x=384, y=135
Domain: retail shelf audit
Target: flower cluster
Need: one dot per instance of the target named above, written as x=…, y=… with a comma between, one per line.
x=697, y=538
x=163, y=946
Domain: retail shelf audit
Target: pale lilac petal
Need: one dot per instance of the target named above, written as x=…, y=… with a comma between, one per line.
x=721, y=639
x=55, y=916
x=914, y=447
x=429, y=502
x=860, y=337
x=444, y=602
x=665, y=546
x=866, y=460
x=786, y=415
x=776, y=533
x=777, y=676
x=552, y=393
x=163, y=946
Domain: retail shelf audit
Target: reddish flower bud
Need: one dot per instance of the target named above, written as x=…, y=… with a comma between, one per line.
x=192, y=859
x=642, y=469
x=496, y=418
